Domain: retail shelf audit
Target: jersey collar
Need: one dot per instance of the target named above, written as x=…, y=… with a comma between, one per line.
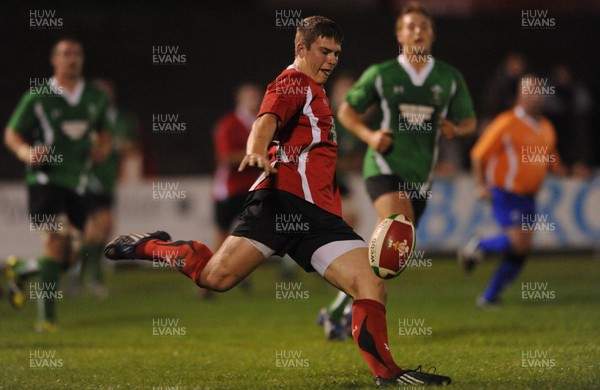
x=418, y=79
x=527, y=119
x=245, y=117
x=73, y=98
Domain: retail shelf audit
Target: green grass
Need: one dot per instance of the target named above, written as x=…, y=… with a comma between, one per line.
x=232, y=341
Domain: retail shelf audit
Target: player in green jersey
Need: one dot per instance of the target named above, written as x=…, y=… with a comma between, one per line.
x=56, y=130
x=100, y=194
x=419, y=99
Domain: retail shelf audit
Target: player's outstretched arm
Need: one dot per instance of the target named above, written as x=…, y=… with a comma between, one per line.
x=102, y=146
x=478, y=169
x=259, y=139
x=464, y=128
x=379, y=140
x=17, y=145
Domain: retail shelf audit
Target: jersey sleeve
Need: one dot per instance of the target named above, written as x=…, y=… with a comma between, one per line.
x=461, y=106
x=129, y=128
x=102, y=122
x=490, y=142
x=23, y=118
x=285, y=97
x=364, y=93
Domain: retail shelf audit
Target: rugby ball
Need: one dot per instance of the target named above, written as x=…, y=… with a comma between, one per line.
x=391, y=246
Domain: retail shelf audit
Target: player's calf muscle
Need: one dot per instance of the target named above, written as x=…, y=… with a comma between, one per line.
x=223, y=272
x=351, y=273
x=218, y=281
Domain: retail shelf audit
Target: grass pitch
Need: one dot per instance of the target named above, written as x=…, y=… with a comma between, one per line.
x=153, y=332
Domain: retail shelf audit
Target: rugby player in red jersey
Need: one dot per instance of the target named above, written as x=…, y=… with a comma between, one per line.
x=293, y=141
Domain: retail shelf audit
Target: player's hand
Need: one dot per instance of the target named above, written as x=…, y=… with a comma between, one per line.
x=381, y=140
x=33, y=156
x=483, y=192
x=99, y=153
x=259, y=161
x=101, y=147
x=448, y=128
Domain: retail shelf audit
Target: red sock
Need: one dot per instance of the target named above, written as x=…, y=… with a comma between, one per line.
x=369, y=330
x=189, y=257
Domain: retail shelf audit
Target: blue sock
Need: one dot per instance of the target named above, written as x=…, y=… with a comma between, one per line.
x=495, y=244
x=506, y=273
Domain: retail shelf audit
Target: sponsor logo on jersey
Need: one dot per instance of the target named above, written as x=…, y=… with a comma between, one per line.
x=332, y=136
x=437, y=91
x=415, y=118
x=74, y=129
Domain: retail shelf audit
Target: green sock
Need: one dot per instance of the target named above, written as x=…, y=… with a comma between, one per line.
x=49, y=277
x=93, y=262
x=335, y=310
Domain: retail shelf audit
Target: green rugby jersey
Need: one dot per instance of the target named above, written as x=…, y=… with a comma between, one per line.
x=62, y=124
x=104, y=175
x=410, y=104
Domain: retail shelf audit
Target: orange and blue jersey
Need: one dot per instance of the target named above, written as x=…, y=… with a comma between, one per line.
x=517, y=151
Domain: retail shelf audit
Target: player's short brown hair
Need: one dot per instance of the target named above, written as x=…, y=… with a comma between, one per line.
x=313, y=27
x=413, y=7
x=64, y=38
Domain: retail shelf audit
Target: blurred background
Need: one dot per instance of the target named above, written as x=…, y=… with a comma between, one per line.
x=227, y=43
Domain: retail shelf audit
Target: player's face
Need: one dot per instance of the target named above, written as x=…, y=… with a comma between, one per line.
x=250, y=97
x=67, y=59
x=533, y=103
x=320, y=59
x=415, y=33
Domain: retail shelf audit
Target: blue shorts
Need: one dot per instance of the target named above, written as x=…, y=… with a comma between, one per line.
x=511, y=209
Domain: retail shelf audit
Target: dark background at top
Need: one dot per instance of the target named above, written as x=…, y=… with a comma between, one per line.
x=229, y=44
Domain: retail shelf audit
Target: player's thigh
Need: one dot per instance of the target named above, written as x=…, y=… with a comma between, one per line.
x=384, y=191
x=56, y=244
x=391, y=203
x=104, y=218
x=98, y=223
x=351, y=273
x=231, y=263
x=48, y=215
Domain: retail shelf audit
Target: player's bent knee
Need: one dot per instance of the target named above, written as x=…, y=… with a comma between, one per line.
x=522, y=245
